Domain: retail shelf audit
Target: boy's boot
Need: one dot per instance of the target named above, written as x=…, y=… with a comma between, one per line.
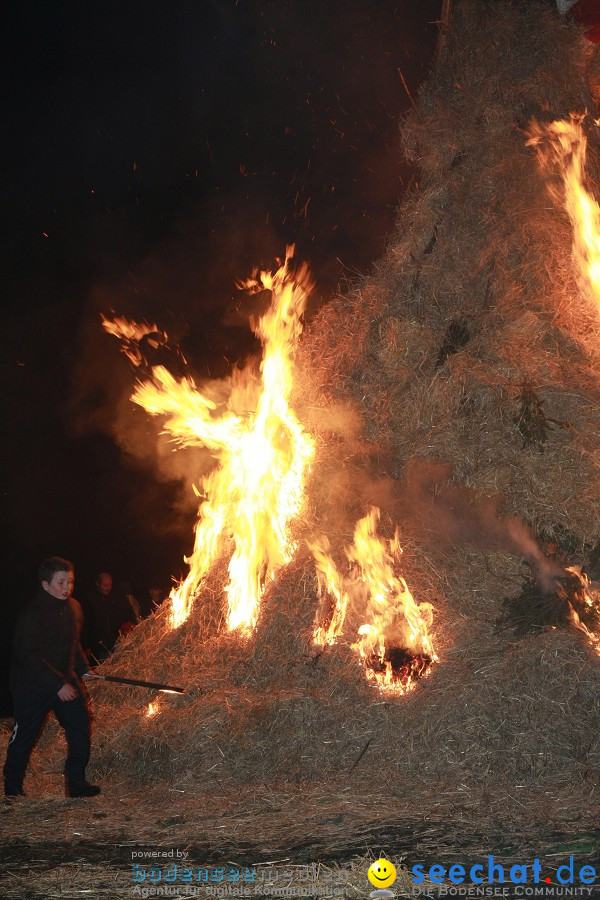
x=75, y=783
x=81, y=789
x=13, y=790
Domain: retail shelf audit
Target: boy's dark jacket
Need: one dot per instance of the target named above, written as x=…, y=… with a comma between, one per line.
x=46, y=649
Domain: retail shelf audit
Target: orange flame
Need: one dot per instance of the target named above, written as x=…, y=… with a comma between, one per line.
x=395, y=622
x=251, y=497
x=565, y=152
x=131, y=333
x=256, y=490
x=591, y=602
x=329, y=621
x=152, y=710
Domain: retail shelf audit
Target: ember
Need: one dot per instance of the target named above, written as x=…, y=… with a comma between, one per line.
x=406, y=665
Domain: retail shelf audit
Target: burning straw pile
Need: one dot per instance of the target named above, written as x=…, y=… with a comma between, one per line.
x=457, y=389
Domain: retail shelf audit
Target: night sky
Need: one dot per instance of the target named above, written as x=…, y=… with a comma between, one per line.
x=157, y=152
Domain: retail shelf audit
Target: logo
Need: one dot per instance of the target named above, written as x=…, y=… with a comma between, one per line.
x=381, y=874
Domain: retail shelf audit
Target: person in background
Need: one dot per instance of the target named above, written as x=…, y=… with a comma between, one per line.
x=48, y=664
x=152, y=598
x=156, y=596
x=104, y=612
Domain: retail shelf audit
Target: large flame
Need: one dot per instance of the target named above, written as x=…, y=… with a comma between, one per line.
x=562, y=148
x=256, y=488
x=393, y=642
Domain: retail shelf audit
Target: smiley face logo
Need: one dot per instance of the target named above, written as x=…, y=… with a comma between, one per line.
x=381, y=873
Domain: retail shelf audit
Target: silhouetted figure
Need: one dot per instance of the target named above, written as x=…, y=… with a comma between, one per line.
x=104, y=611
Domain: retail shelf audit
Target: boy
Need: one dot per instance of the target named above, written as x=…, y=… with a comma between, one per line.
x=46, y=667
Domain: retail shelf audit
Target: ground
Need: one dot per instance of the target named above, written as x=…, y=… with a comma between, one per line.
x=58, y=847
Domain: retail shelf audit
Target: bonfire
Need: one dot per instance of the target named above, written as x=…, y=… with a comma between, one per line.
x=384, y=481
x=256, y=491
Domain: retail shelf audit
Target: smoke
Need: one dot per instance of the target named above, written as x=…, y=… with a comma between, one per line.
x=205, y=338
x=162, y=292
x=450, y=515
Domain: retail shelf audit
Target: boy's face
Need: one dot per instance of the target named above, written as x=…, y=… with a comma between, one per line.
x=60, y=585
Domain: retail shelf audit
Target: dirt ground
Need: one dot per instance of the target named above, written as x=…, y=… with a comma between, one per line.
x=57, y=847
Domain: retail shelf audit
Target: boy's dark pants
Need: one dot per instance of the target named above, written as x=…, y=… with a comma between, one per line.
x=30, y=711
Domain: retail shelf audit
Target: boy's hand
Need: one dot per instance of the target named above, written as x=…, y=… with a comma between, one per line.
x=67, y=692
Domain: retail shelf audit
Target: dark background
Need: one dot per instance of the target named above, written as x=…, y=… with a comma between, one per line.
x=157, y=152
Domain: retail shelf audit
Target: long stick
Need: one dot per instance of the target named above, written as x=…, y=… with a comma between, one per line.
x=167, y=688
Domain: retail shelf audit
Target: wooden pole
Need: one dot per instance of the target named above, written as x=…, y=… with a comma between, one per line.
x=167, y=688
